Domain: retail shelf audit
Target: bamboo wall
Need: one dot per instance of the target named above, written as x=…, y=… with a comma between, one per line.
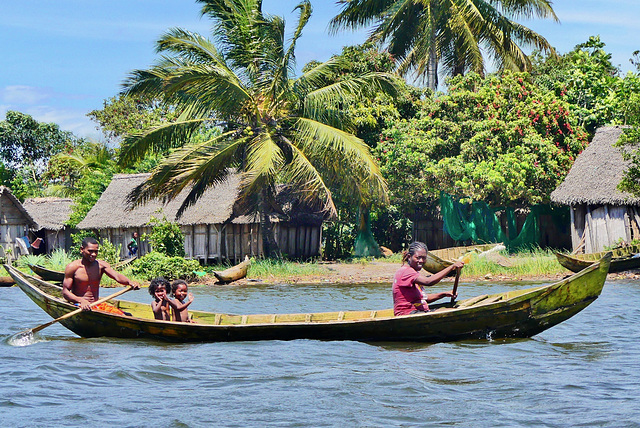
x=230, y=242
x=13, y=224
x=594, y=227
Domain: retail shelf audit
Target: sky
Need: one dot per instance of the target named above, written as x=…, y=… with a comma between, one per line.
x=61, y=59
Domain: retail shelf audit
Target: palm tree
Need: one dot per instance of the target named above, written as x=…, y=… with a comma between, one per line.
x=424, y=33
x=274, y=128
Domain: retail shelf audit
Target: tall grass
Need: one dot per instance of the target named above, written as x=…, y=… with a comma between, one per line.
x=525, y=263
x=59, y=259
x=268, y=268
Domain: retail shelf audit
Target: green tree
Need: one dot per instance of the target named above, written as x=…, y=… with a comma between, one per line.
x=124, y=114
x=274, y=127
x=422, y=34
x=585, y=78
x=25, y=141
x=502, y=140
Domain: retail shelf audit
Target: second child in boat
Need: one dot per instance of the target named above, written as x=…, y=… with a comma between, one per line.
x=180, y=291
x=408, y=295
x=161, y=305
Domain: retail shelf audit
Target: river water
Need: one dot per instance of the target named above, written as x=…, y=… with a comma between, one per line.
x=584, y=372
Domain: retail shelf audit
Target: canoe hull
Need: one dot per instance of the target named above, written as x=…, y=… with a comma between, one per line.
x=234, y=273
x=443, y=258
x=622, y=260
x=47, y=274
x=520, y=313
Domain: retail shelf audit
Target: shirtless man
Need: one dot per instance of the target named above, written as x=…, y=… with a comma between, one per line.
x=82, y=277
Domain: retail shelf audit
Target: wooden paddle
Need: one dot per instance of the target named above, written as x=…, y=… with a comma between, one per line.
x=455, y=285
x=22, y=336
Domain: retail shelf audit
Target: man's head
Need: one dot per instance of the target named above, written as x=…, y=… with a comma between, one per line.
x=89, y=249
x=134, y=234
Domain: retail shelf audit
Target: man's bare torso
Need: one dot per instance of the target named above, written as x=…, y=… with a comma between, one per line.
x=86, y=279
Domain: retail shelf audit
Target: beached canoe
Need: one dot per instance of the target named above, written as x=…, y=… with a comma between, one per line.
x=124, y=263
x=6, y=281
x=622, y=259
x=516, y=313
x=234, y=273
x=47, y=274
x=58, y=276
x=445, y=257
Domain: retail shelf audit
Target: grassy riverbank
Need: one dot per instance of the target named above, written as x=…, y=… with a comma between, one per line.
x=537, y=264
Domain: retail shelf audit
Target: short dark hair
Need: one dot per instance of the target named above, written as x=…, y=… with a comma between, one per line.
x=88, y=240
x=156, y=282
x=175, y=284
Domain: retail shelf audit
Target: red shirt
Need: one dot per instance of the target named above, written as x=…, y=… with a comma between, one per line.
x=406, y=292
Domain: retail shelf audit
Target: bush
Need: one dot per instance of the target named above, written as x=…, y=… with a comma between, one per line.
x=156, y=264
x=165, y=237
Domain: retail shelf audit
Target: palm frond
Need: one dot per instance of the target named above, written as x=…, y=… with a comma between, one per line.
x=157, y=139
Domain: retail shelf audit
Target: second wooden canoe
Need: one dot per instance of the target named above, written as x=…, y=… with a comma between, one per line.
x=443, y=258
x=47, y=274
x=622, y=259
x=234, y=273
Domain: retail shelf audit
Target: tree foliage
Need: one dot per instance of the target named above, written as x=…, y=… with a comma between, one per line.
x=499, y=139
x=124, y=114
x=275, y=127
x=25, y=141
x=456, y=34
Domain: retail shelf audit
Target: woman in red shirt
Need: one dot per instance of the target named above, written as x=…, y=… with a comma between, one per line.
x=408, y=295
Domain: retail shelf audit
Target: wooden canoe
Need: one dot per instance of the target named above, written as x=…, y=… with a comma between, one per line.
x=626, y=258
x=124, y=263
x=47, y=274
x=234, y=273
x=443, y=258
x=517, y=313
x=6, y=281
x=58, y=276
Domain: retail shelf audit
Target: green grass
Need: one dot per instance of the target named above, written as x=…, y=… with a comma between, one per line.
x=267, y=268
x=530, y=263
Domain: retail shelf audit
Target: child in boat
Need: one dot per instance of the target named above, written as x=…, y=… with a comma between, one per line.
x=180, y=291
x=161, y=305
x=408, y=295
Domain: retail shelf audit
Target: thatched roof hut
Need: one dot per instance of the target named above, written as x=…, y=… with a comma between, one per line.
x=596, y=173
x=49, y=213
x=601, y=214
x=15, y=221
x=214, y=227
x=51, y=216
x=112, y=209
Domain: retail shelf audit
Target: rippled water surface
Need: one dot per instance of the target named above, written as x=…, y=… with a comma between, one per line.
x=585, y=371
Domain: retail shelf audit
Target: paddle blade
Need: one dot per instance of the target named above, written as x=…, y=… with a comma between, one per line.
x=23, y=338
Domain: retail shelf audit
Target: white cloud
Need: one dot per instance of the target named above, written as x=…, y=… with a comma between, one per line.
x=22, y=94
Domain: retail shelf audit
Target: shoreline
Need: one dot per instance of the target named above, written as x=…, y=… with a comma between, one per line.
x=379, y=272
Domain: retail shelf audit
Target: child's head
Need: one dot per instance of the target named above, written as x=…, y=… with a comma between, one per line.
x=159, y=285
x=179, y=289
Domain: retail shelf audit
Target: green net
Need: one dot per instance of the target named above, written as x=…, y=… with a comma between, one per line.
x=477, y=222
x=365, y=245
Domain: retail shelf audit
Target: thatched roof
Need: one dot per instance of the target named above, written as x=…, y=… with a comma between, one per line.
x=49, y=213
x=111, y=210
x=596, y=173
x=5, y=191
x=216, y=206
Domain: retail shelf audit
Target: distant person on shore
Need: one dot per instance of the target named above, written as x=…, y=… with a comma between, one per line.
x=408, y=293
x=180, y=291
x=160, y=288
x=81, y=284
x=132, y=246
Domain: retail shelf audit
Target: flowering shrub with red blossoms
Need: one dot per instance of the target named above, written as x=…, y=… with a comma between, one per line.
x=498, y=139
